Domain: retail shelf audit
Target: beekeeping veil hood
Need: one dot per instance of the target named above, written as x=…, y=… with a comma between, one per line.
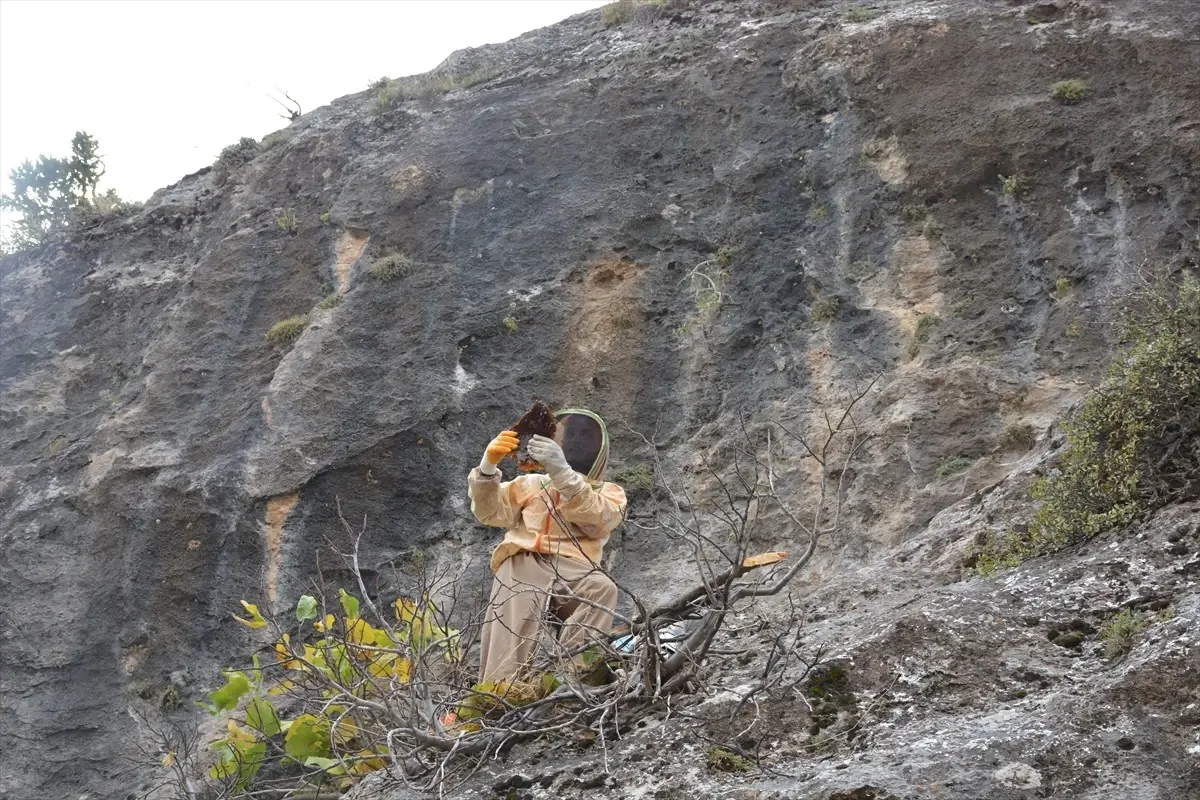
x=583, y=437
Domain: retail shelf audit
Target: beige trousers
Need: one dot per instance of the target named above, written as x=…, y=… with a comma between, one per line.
x=532, y=595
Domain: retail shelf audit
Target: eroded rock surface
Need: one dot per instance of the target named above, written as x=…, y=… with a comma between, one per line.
x=838, y=180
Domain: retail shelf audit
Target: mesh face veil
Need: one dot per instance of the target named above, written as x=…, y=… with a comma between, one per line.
x=583, y=437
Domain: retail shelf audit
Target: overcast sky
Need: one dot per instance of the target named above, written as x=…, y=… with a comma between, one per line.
x=165, y=85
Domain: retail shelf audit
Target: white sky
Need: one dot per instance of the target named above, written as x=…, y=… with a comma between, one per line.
x=165, y=85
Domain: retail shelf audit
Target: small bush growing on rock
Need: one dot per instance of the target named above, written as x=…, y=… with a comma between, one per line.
x=640, y=11
x=636, y=478
x=826, y=308
x=914, y=212
x=616, y=13
x=237, y=154
x=861, y=14
x=331, y=300
x=1017, y=436
x=273, y=140
x=1062, y=287
x=1119, y=632
x=1069, y=91
x=1134, y=443
x=288, y=222
x=721, y=760
x=951, y=466
x=425, y=87
x=1015, y=185
x=511, y=324
x=285, y=333
x=925, y=325
x=390, y=265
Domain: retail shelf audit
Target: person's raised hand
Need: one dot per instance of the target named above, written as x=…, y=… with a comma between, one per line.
x=547, y=453
x=505, y=443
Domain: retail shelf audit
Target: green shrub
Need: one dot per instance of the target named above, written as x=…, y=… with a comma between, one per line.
x=826, y=308
x=914, y=212
x=1119, y=632
x=616, y=13
x=425, y=87
x=390, y=265
x=53, y=194
x=287, y=221
x=636, y=478
x=331, y=300
x=1062, y=287
x=511, y=324
x=925, y=325
x=285, y=333
x=861, y=14
x=950, y=466
x=237, y=154
x=1134, y=443
x=721, y=760
x=1069, y=91
x=1016, y=185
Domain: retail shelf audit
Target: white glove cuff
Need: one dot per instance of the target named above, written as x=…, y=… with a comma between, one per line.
x=487, y=468
x=567, y=481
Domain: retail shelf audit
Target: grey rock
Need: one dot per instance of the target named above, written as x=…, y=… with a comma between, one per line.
x=162, y=460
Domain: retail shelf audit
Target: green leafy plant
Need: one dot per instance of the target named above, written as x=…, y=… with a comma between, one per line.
x=324, y=217
x=390, y=265
x=1069, y=91
x=1062, y=287
x=334, y=671
x=285, y=333
x=1016, y=185
x=1134, y=443
x=636, y=477
x=1118, y=634
x=719, y=759
x=331, y=300
x=952, y=466
x=287, y=221
x=511, y=324
x=491, y=697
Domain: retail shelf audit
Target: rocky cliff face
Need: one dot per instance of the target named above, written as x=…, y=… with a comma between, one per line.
x=727, y=210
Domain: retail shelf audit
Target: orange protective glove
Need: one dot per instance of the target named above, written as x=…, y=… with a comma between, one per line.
x=505, y=443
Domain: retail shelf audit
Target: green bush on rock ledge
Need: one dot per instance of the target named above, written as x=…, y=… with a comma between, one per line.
x=285, y=333
x=1134, y=443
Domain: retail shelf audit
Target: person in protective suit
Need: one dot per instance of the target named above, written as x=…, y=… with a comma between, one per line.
x=547, y=567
